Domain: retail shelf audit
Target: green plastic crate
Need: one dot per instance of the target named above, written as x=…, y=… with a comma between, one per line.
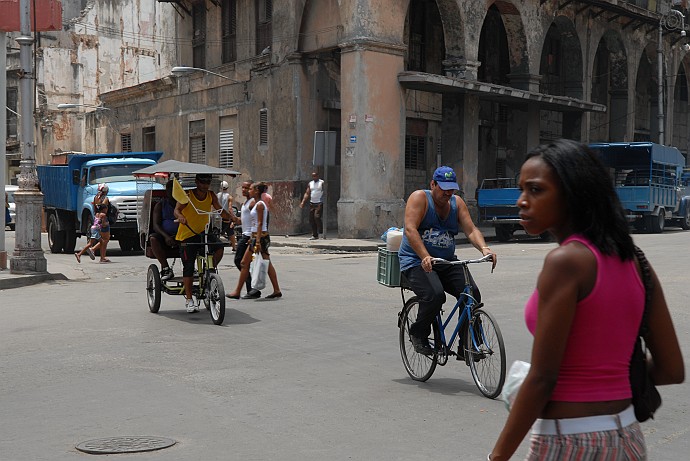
x=388, y=268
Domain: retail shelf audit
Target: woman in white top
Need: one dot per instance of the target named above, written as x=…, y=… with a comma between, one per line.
x=260, y=242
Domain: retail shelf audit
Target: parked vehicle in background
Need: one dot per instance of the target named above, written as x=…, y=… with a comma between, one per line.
x=13, y=206
x=651, y=180
x=69, y=189
x=648, y=180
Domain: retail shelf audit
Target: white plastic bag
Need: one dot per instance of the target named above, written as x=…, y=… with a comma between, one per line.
x=516, y=375
x=259, y=271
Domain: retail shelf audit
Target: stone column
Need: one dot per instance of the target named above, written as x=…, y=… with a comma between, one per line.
x=461, y=68
x=618, y=115
x=373, y=128
x=529, y=82
x=28, y=255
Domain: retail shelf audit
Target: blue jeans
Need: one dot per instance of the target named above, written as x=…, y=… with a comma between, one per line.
x=431, y=288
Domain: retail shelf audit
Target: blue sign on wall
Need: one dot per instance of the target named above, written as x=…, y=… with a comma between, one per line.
x=353, y=139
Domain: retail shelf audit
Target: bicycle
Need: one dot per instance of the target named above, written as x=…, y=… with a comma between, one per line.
x=479, y=339
x=208, y=286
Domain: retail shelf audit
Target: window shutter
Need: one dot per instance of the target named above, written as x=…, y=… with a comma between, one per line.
x=227, y=149
x=263, y=127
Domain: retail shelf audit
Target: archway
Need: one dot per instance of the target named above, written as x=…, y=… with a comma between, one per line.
x=610, y=87
x=646, y=97
x=681, y=114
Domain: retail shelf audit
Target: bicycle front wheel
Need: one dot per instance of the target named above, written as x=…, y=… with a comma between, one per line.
x=215, y=293
x=486, y=353
x=420, y=367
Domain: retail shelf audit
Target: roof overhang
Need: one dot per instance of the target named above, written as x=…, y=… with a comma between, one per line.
x=488, y=91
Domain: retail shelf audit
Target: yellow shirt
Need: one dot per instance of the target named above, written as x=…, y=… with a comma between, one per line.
x=194, y=220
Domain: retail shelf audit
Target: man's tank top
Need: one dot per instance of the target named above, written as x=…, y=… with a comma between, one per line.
x=196, y=221
x=316, y=189
x=438, y=235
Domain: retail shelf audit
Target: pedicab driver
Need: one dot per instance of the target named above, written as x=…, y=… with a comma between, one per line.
x=191, y=229
x=432, y=219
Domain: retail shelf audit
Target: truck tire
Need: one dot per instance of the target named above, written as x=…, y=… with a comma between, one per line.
x=128, y=242
x=56, y=238
x=503, y=233
x=70, y=241
x=656, y=224
x=685, y=220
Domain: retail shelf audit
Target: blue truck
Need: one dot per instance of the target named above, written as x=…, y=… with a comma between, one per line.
x=649, y=178
x=69, y=189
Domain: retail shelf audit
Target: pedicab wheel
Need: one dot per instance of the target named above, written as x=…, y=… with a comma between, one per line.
x=216, y=298
x=153, y=288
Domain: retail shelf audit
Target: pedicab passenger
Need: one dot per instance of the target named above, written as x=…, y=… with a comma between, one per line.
x=164, y=231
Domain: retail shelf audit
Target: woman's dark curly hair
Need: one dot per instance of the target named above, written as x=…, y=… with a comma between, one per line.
x=260, y=186
x=591, y=199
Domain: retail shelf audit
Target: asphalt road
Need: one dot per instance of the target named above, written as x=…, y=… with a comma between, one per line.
x=315, y=375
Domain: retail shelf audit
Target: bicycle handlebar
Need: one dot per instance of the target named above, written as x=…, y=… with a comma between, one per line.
x=484, y=259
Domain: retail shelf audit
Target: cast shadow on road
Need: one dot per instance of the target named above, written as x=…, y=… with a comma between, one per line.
x=232, y=316
x=444, y=386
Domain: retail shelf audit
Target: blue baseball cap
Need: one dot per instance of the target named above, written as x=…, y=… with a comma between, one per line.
x=445, y=177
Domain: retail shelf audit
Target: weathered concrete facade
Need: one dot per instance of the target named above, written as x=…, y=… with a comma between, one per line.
x=406, y=84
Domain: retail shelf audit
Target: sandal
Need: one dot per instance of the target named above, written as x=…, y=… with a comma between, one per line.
x=105, y=260
x=274, y=295
x=76, y=255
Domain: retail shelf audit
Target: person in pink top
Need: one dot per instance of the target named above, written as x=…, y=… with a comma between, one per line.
x=585, y=315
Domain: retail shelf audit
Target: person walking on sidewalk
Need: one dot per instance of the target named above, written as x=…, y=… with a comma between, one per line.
x=432, y=219
x=259, y=243
x=314, y=194
x=243, y=242
x=227, y=227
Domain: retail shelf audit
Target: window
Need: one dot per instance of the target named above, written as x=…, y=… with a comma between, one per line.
x=227, y=149
x=263, y=127
x=229, y=30
x=416, y=48
x=199, y=35
x=11, y=115
x=264, y=28
x=126, y=142
x=149, y=136
x=415, y=152
x=197, y=142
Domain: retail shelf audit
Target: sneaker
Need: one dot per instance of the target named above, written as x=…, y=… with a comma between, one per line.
x=90, y=252
x=421, y=345
x=191, y=306
x=166, y=274
x=313, y=238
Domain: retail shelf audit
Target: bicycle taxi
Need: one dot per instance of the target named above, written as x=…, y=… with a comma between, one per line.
x=208, y=285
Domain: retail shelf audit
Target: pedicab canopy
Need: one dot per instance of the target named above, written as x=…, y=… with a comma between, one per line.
x=175, y=166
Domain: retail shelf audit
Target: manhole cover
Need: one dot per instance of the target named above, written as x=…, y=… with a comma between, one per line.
x=127, y=444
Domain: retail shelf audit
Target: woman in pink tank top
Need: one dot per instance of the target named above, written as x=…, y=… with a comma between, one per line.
x=576, y=396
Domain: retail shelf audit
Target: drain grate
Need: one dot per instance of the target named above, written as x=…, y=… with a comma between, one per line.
x=127, y=444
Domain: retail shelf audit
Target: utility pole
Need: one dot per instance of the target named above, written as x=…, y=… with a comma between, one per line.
x=28, y=255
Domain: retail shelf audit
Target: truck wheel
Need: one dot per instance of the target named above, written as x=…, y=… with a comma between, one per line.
x=685, y=220
x=56, y=238
x=128, y=243
x=656, y=224
x=70, y=241
x=503, y=233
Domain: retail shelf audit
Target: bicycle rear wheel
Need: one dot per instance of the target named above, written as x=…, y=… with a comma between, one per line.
x=486, y=353
x=420, y=367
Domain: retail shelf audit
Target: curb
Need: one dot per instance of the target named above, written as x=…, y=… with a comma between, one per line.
x=23, y=280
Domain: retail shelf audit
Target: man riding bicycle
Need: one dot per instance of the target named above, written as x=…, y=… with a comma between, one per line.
x=432, y=219
x=191, y=228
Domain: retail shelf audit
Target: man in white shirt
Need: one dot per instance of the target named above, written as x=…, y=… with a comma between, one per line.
x=225, y=200
x=314, y=194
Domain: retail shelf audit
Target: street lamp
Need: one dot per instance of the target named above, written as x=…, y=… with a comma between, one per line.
x=181, y=71
x=66, y=106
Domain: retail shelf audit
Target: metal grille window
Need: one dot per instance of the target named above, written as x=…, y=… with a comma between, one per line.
x=263, y=127
x=415, y=152
x=416, y=48
x=227, y=148
x=11, y=113
x=199, y=35
x=197, y=142
x=148, y=133
x=264, y=27
x=126, y=142
x=229, y=30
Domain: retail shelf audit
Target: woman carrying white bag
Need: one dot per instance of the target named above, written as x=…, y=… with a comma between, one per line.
x=258, y=246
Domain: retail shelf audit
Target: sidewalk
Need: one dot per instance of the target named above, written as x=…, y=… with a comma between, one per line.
x=61, y=268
